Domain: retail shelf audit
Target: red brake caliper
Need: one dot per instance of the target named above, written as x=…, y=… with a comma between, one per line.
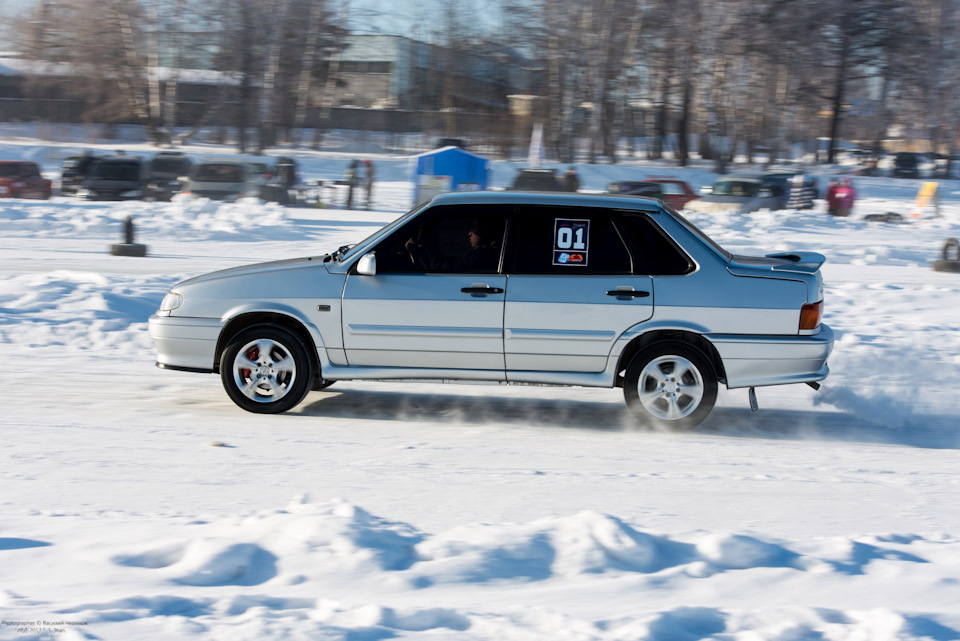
x=251, y=356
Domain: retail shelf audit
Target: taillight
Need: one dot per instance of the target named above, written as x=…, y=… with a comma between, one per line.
x=810, y=315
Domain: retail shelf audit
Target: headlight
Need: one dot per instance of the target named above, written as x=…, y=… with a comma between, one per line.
x=133, y=193
x=4, y=190
x=171, y=301
x=84, y=193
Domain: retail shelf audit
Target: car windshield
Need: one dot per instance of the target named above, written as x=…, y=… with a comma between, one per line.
x=177, y=166
x=219, y=173
x=9, y=171
x=116, y=171
x=734, y=187
x=382, y=232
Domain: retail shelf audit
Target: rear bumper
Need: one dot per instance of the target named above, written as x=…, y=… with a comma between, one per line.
x=756, y=361
x=185, y=343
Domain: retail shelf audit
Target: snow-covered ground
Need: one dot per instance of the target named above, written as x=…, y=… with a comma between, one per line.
x=139, y=504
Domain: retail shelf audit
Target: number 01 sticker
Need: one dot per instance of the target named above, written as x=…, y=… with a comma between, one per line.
x=571, y=241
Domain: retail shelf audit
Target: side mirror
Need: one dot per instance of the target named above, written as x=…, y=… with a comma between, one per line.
x=706, y=190
x=367, y=265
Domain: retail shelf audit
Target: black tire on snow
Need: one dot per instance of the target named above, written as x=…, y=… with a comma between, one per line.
x=689, y=399
x=282, y=387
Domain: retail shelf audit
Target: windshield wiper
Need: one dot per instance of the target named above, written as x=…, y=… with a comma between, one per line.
x=340, y=252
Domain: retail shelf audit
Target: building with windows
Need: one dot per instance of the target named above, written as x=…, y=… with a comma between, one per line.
x=394, y=72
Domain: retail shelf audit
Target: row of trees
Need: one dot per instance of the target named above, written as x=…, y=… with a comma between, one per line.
x=761, y=72
x=757, y=71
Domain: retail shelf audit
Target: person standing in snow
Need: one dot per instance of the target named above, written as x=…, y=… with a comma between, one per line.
x=571, y=181
x=352, y=178
x=368, y=180
x=845, y=196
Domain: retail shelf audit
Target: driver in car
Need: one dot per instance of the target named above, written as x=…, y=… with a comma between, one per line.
x=481, y=257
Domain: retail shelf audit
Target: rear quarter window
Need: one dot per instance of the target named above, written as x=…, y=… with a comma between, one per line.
x=656, y=253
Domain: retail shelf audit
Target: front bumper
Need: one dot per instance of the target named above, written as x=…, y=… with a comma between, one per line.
x=185, y=343
x=755, y=361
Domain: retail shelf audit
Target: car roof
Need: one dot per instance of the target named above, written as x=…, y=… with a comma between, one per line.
x=568, y=199
x=223, y=161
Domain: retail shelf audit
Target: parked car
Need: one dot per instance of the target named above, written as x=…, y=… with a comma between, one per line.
x=909, y=164
x=744, y=192
x=569, y=289
x=74, y=170
x=115, y=178
x=676, y=193
x=260, y=171
x=164, y=172
x=636, y=188
x=537, y=180
x=222, y=179
x=21, y=179
x=451, y=142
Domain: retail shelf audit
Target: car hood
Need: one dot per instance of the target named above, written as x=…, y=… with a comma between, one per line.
x=254, y=269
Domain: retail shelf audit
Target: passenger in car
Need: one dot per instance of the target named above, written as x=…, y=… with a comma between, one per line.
x=483, y=255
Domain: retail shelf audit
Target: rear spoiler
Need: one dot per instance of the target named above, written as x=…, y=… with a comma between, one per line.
x=790, y=262
x=804, y=262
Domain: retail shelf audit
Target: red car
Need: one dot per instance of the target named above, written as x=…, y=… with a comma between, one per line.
x=676, y=193
x=19, y=179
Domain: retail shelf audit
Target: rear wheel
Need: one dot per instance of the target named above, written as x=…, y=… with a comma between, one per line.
x=266, y=369
x=670, y=386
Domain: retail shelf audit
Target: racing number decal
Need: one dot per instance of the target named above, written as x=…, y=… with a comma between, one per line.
x=571, y=240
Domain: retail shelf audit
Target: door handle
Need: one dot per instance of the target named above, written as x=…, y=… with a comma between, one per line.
x=628, y=293
x=480, y=290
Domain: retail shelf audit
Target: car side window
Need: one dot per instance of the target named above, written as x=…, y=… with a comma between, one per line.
x=29, y=170
x=569, y=241
x=447, y=239
x=656, y=254
x=672, y=189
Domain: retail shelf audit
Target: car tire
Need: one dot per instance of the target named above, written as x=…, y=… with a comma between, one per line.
x=661, y=399
x=266, y=369
x=951, y=250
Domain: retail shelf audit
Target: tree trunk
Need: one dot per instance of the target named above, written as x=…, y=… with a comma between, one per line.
x=840, y=84
x=306, y=72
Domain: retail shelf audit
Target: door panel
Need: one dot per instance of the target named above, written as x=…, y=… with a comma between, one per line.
x=570, y=323
x=572, y=290
x=424, y=320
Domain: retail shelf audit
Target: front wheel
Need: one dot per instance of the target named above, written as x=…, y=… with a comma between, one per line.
x=266, y=369
x=670, y=386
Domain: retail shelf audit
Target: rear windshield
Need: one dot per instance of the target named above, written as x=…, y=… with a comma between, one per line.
x=736, y=188
x=536, y=182
x=219, y=173
x=116, y=171
x=178, y=166
x=906, y=160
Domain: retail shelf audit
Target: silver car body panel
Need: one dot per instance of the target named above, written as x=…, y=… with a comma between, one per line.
x=546, y=329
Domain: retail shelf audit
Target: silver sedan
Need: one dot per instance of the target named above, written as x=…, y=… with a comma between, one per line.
x=510, y=287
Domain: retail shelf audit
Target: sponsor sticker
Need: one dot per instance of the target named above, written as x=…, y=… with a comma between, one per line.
x=571, y=241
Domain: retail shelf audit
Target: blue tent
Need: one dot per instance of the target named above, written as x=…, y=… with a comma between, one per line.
x=448, y=169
